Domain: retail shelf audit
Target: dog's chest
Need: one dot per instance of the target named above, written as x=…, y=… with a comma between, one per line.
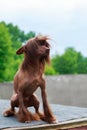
x=30, y=85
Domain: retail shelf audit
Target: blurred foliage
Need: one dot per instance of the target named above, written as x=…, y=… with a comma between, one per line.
x=49, y=70
x=71, y=62
x=11, y=38
x=6, y=53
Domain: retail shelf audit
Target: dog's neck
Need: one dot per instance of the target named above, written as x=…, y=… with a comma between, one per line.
x=33, y=65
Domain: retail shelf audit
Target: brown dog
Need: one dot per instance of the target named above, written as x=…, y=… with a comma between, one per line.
x=28, y=78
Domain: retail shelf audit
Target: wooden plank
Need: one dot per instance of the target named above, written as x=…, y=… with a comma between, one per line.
x=69, y=118
x=79, y=128
x=60, y=126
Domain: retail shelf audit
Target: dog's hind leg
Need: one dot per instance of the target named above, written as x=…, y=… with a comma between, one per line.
x=13, y=103
x=34, y=101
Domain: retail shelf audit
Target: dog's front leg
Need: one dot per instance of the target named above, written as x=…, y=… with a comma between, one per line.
x=48, y=115
x=23, y=114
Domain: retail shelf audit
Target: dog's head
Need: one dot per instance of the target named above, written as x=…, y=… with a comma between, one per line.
x=36, y=49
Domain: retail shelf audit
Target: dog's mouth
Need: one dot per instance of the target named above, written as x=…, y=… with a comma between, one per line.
x=45, y=53
x=47, y=50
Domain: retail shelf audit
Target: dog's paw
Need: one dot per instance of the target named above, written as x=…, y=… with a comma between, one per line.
x=8, y=113
x=34, y=116
x=54, y=122
x=27, y=121
x=24, y=119
x=51, y=120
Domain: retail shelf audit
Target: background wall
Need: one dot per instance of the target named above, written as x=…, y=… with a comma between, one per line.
x=64, y=89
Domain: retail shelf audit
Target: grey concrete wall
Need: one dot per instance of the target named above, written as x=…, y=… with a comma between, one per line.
x=64, y=89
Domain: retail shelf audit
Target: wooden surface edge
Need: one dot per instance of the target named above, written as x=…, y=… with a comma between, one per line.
x=60, y=126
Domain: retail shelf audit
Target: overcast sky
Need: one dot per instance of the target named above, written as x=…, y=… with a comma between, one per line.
x=64, y=20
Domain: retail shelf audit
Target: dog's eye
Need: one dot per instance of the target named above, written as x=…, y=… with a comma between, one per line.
x=41, y=43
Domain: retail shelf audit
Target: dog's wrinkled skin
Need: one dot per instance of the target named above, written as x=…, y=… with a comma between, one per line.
x=28, y=78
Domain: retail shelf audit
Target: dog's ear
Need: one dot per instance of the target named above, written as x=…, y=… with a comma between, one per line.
x=21, y=50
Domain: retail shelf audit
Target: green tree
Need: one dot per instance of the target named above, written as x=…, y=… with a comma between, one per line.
x=11, y=39
x=19, y=35
x=30, y=34
x=66, y=63
x=55, y=62
x=49, y=70
x=5, y=53
x=81, y=64
x=18, y=38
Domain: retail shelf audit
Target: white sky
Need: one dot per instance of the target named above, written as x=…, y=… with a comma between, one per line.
x=64, y=20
